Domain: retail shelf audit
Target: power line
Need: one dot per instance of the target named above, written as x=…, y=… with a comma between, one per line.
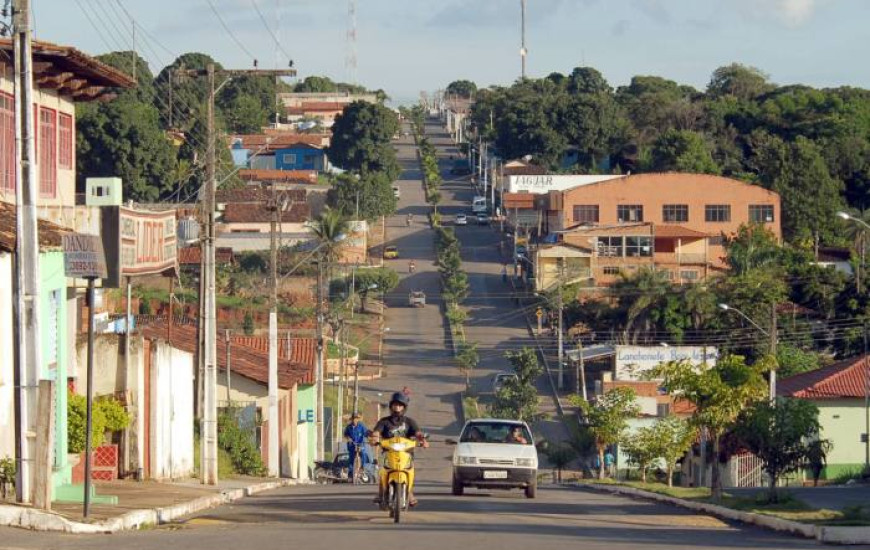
x=269, y=30
x=230, y=32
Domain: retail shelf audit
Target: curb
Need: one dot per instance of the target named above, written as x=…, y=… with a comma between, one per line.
x=38, y=520
x=822, y=533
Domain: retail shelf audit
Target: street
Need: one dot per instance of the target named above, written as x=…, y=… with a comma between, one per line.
x=415, y=352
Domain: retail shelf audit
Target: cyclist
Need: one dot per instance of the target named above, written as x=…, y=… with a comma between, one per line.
x=355, y=435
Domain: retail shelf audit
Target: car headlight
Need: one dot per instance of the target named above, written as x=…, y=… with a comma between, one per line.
x=528, y=462
x=467, y=460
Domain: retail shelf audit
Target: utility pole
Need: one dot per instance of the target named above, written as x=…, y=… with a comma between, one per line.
x=560, y=344
x=26, y=303
x=273, y=337
x=773, y=342
x=208, y=299
x=229, y=344
x=342, y=377
x=523, y=50
x=318, y=373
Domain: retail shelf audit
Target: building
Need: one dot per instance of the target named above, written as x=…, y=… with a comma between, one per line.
x=281, y=151
x=840, y=392
x=62, y=77
x=319, y=107
x=674, y=222
x=245, y=218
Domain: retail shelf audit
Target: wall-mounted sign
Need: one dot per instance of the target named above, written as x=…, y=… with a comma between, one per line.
x=139, y=242
x=633, y=361
x=546, y=183
x=83, y=256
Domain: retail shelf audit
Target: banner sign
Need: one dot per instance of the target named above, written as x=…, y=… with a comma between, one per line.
x=83, y=256
x=633, y=361
x=546, y=183
x=139, y=242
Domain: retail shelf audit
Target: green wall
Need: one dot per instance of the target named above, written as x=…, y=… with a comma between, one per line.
x=53, y=286
x=843, y=422
x=307, y=405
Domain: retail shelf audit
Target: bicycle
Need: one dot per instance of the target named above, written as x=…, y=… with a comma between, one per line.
x=360, y=475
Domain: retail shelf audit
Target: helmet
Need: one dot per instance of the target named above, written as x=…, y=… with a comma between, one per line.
x=401, y=398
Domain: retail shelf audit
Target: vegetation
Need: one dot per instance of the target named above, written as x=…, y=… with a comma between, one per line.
x=467, y=360
x=666, y=440
x=365, y=197
x=462, y=88
x=238, y=440
x=380, y=280
x=108, y=416
x=607, y=419
x=518, y=397
x=7, y=475
x=361, y=139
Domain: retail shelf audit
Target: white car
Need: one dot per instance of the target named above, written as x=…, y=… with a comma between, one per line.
x=495, y=454
x=396, y=192
x=461, y=219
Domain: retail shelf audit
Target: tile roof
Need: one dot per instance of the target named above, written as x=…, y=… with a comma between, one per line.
x=270, y=142
x=50, y=234
x=317, y=106
x=246, y=212
x=677, y=231
x=295, y=176
x=303, y=351
x=247, y=361
x=253, y=193
x=843, y=379
x=527, y=170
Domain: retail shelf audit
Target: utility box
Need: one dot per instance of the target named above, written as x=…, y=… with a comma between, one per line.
x=103, y=192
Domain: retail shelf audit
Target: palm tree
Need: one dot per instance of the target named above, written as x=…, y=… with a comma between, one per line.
x=330, y=228
x=640, y=295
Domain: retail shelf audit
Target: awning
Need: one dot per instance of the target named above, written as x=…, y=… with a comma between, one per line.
x=592, y=352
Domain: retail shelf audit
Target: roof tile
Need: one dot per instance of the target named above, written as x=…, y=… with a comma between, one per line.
x=843, y=379
x=244, y=212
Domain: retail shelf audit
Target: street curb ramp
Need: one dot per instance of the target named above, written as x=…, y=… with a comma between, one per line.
x=39, y=520
x=822, y=533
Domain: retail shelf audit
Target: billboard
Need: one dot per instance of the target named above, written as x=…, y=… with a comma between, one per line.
x=83, y=256
x=631, y=362
x=138, y=242
x=545, y=183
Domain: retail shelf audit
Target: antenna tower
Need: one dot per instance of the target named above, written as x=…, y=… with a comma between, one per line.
x=350, y=56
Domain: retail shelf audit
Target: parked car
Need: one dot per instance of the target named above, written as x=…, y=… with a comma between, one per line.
x=391, y=252
x=461, y=219
x=482, y=218
x=396, y=192
x=416, y=298
x=500, y=378
x=495, y=454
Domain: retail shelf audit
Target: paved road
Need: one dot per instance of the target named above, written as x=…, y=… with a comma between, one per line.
x=314, y=518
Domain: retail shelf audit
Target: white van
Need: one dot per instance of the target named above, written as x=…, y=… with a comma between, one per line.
x=478, y=205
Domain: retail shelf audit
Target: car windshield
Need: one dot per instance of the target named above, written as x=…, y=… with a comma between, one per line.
x=495, y=432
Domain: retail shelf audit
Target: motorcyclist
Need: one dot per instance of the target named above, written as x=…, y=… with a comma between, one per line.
x=355, y=435
x=409, y=219
x=398, y=425
x=411, y=266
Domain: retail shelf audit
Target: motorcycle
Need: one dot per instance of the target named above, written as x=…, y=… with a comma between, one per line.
x=337, y=471
x=397, y=475
x=412, y=267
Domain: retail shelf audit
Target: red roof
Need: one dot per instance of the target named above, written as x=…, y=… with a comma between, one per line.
x=297, y=176
x=246, y=212
x=316, y=107
x=257, y=194
x=303, y=351
x=848, y=378
x=677, y=231
x=246, y=361
x=50, y=234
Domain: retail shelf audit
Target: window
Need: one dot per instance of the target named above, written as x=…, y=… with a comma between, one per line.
x=638, y=247
x=675, y=213
x=586, y=213
x=289, y=158
x=667, y=273
x=629, y=213
x=47, y=152
x=689, y=275
x=611, y=270
x=717, y=213
x=610, y=247
x=760, y=213
x=7, y=142
x=718, y=240
x=65, y=148
x=663, y=410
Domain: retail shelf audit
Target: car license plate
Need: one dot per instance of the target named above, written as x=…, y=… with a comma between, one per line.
x=494, y=474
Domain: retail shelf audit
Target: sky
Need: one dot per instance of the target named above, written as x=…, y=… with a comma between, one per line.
x=407, y=46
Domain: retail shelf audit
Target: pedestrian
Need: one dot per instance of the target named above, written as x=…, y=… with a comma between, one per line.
x=609, y=463
x=504, y=278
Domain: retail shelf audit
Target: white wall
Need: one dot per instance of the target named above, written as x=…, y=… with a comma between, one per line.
x=7, y=365
x=171, y=412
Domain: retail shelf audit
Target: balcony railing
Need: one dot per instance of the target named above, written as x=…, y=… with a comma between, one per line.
x=681, y=259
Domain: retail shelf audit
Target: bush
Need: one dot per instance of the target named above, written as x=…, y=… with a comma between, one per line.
x=248, y=324
x=240, y=444
x=108, y=416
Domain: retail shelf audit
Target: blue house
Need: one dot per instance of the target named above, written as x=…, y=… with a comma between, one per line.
x=301, y=156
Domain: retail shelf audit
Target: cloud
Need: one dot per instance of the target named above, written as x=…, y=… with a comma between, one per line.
x=620, y=28
x=791, y=13
x=654, y=9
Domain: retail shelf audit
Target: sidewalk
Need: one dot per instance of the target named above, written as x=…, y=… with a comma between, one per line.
x=139, y=505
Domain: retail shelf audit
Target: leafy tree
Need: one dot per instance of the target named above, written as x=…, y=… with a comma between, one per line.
x=518, y=398
x=361, y=139
x=467, y=359
x=462, y=88
x=754, y=247
x=792, y=360
x=778, y=433
x=126, y=62
x=247, y=103
x=639, y=296
x=316, y=84
x=371, y=194
x=683, y=151
x=642, y=449
x=673, y=437
x=739, y=81
x=379, y=280
x=248, y=324
x=560, y=456
x=607, y=418
x=719, y=393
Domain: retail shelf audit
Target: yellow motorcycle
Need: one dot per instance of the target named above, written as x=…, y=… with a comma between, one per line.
x=396, y=475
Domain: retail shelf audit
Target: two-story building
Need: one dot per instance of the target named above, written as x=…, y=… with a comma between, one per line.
x=674, y=222
x=281, y=151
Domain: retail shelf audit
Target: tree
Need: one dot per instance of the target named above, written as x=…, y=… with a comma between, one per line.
x=607, y=418
x=467, y=359
x=316, y=84
x=381, y=279
x=462, y=88
x=642, y=449
x=719, y=393
x=683, y=151
x=779, y=434
x=753, y=247
x=518, y=397
x=361, y=139
x=792, y=360
x=370, y=194
x=673, y=437
x=248, y=324
x=739, y=81
x=330, y=228
x=560, y=456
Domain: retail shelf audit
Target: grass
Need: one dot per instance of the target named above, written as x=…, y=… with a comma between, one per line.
x=225, y=462
x=856, y=474
x=470, y=407
x=788, y=507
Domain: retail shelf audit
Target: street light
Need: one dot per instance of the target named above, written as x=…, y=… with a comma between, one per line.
x=770, y=334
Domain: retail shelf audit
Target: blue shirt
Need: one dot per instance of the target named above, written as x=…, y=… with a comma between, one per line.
x=357, y=434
